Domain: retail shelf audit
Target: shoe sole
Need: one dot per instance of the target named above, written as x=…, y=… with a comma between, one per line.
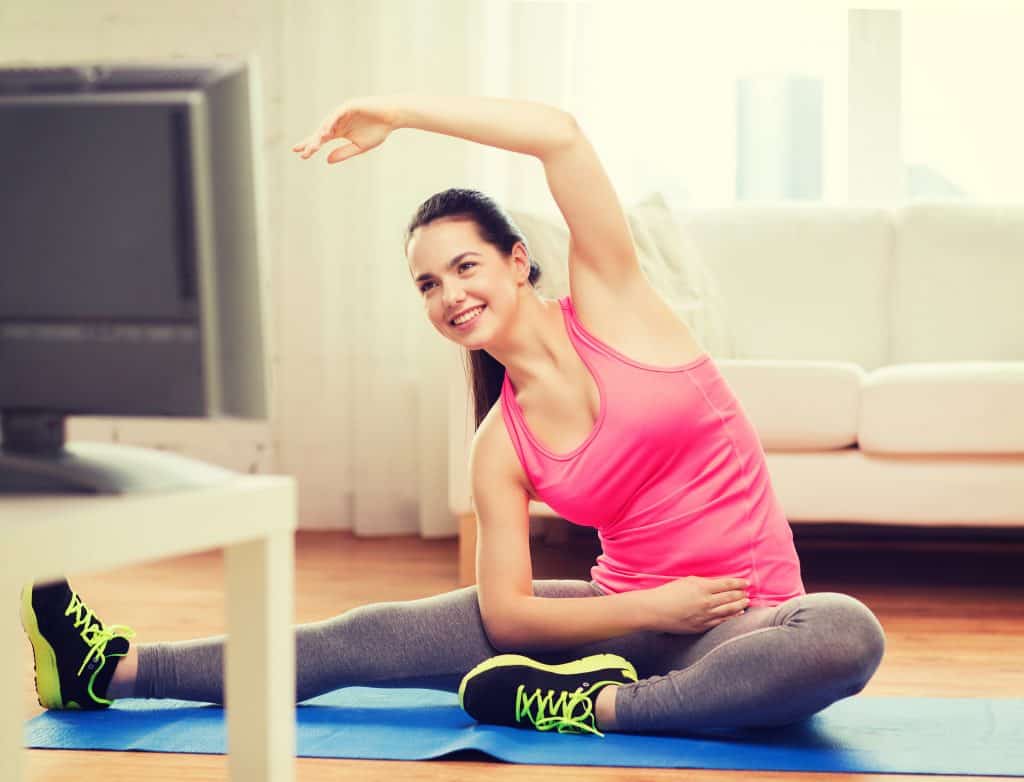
x=584, y=665
x=43, y=657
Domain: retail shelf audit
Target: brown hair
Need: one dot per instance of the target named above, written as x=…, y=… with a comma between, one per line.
x=485, y=374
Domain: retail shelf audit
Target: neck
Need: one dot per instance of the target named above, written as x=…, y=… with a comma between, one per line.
x=535, y=345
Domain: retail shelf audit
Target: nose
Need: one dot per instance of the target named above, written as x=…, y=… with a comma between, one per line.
x=452, y=295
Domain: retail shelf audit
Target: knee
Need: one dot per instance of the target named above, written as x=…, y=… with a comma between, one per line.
x=855, y=642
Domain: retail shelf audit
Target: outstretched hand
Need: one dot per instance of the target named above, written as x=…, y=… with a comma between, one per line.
x=364, y=122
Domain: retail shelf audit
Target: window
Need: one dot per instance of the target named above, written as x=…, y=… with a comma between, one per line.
x=963, y=116
x=710, y=108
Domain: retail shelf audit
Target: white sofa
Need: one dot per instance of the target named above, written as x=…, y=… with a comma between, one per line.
x=879, y=352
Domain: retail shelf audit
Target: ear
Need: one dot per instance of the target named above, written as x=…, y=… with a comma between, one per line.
x=521, y=263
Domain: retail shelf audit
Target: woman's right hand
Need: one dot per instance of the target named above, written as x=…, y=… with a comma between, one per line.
x=694, y=604
x=364, y=122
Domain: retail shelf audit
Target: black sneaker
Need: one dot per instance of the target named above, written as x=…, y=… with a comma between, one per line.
x=70, y=647
x=522, y=693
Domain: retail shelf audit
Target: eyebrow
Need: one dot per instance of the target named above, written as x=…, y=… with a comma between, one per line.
x=451, y=263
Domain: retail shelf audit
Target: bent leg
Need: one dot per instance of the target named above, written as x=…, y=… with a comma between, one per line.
x=431, y=641
x=770, y=666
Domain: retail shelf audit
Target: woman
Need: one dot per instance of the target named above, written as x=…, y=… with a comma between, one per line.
x=602, y=405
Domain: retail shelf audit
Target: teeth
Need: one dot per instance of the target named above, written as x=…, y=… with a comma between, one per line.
x=467, y=316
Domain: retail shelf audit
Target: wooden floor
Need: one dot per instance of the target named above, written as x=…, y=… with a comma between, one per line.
x=952, y=612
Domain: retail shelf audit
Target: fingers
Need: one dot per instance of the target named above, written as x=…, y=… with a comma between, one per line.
x=733, y=607
x=312, y=144
x=724, y=598
x=343, y=153
x=322, y=134
x=309, y=149
x=721, y=620
x=726, y=584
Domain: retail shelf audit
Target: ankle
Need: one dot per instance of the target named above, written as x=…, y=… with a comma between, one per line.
x=122, y=683
x=604, y=708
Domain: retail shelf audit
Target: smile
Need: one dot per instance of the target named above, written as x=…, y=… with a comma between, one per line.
x=467, y=318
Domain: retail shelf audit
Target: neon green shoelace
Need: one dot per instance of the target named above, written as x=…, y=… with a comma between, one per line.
x=564, y=711
x=95, y=637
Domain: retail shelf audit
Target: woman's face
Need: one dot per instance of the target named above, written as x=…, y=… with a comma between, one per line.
x=461, y=277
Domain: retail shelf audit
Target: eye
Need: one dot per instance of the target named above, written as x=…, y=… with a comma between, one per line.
x=424, y=287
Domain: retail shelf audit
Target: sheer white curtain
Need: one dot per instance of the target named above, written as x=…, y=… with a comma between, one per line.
x=362, y=374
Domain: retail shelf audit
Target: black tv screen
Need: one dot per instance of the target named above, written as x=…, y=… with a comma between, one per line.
x=96, y=222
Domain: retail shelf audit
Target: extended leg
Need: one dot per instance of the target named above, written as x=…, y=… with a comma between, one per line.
x=434, y=640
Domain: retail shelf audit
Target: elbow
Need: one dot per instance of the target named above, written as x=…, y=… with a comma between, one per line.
x=562, y=137
x=559, y=138
x=504, y=633
x=572, y=129
x=502, y=636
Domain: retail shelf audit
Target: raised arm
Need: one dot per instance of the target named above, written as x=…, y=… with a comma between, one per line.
x=519, y=126
x=603, y=264
x=522, y=126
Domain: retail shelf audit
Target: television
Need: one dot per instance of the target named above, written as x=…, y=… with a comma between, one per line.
x=130, y=265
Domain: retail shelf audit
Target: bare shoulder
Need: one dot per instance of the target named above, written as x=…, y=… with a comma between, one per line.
x=493, y=459
x=629, y=315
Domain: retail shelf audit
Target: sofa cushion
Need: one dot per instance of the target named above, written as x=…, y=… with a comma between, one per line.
x=798, y=405
x=970, y=407
x=802, y=282
x=668, y=259
x=958, y=274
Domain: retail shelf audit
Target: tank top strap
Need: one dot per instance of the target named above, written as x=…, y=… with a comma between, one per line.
x=515, y=421
x=582, y=338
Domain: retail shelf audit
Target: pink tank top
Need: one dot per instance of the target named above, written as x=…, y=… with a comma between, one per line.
x=673, y=476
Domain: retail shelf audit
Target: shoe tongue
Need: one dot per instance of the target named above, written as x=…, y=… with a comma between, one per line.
x=54, y=596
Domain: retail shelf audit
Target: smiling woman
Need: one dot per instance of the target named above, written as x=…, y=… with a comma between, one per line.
x=483, y=277
x=698, y=556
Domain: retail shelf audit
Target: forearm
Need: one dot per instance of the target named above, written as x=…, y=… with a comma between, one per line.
x=540, y=623
x=520, y=126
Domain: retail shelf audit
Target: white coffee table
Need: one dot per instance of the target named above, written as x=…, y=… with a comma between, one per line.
x=252, y=517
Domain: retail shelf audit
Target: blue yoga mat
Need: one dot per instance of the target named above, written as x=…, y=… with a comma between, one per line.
x=859, y=734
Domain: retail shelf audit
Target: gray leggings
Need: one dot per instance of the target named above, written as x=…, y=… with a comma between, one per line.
x=768, y=666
